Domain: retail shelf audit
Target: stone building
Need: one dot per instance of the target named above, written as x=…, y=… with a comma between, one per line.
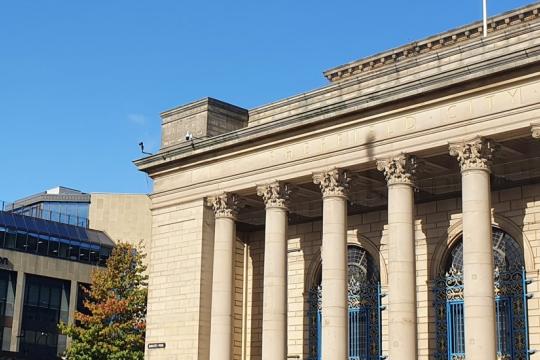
x=394, y=212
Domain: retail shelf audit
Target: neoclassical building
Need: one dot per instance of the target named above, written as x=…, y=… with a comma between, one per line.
x=394, y=213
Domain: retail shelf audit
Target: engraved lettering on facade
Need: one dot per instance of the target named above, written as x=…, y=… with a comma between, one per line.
x=390, y=130
x=489, y=99
x=515, y=94
x=410, y=123
x=452, y=112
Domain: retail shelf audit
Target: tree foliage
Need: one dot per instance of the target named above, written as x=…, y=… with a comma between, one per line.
x=115, y=325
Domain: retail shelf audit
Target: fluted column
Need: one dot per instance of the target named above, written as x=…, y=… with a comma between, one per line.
x=221, y=334
x=399, y=172
x=274, y=336
x=479, y=304
x=334, y=186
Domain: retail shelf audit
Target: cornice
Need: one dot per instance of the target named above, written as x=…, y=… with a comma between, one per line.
x=435, y=43
x=365, y=100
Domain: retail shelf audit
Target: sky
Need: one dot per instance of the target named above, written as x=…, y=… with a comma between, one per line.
x=83, y=82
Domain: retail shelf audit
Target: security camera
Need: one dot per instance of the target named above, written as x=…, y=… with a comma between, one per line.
x=189, y=136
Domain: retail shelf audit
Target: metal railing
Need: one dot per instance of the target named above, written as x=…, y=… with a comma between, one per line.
x=45, y=214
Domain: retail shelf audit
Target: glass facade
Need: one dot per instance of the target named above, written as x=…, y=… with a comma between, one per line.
x=46, y=303
x=54, y=239
x=72, y=213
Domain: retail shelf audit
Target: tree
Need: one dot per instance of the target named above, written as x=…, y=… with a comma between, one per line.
x=114, y=326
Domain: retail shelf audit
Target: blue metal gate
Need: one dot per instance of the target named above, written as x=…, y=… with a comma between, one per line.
x=364, y=321
x=511, y=314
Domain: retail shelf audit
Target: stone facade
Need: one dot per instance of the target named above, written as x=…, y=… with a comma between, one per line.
x=403, y=161
x=124, y=217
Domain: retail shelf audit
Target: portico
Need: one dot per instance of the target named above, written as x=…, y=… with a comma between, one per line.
x=317, y=227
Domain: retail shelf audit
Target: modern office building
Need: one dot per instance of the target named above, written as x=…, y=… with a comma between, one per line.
x=49, y=244
x=394, y=212
x=42, y=265
x=124, y=217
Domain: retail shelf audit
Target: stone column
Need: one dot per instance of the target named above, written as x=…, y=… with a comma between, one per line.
x=73, y=294
x=479, y=303
x=334, y=185
x=18, y=312
x=399, y=171
x=221, y=331
x=274, y=335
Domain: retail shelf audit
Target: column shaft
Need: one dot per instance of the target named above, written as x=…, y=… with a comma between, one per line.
x=221, y=333
x=274, y=337
x=479, y=302
x=401, y=273
x=334, y=279
x=17, y=312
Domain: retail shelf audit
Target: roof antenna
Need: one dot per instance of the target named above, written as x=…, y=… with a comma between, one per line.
x=141, y=145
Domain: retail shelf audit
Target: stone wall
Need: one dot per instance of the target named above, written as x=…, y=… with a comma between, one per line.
x=180, y=282
x=124, y=217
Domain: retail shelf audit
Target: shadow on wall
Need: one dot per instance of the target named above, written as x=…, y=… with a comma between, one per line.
x=255, y=299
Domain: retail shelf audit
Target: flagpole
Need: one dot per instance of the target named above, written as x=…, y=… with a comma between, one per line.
x=484, y=3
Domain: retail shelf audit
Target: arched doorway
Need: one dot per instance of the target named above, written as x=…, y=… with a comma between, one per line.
x=510, y=299
x=364, y=308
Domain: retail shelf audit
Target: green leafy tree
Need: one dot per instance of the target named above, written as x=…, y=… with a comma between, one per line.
x=115, y=325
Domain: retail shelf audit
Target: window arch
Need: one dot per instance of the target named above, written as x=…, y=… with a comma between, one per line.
x=506, y=252
x=510, y=300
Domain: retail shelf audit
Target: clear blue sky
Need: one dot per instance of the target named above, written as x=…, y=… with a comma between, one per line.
x=82, y=82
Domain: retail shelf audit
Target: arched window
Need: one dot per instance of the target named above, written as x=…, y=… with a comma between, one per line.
x=364, y=308
x=510, y=301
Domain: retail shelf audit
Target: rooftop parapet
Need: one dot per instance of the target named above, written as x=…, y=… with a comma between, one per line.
x=203, y=118
x=433, y=43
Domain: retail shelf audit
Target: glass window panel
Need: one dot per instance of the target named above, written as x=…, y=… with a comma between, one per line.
x=32, y=295
x=84, y=254
x=44, y=296
x=53, y=247
x=94, y=256
x=19, y=222
x=10, y=239
x=21, y=241
x=72, y=232
x=62, y=229
x=8, y=219
x=63, y=249
x=56, y=294
x=32, y=243
x=43, y=245
x=74, y=250
x=104, y=254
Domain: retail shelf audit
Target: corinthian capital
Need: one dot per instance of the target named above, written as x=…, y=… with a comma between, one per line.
x=535, y=129
x=474, y=154
x=224, y=205
x=334, y=182
x=399, y=169
x=275, y=194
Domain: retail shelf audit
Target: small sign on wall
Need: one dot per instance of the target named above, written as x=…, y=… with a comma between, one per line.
x=156, y=346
